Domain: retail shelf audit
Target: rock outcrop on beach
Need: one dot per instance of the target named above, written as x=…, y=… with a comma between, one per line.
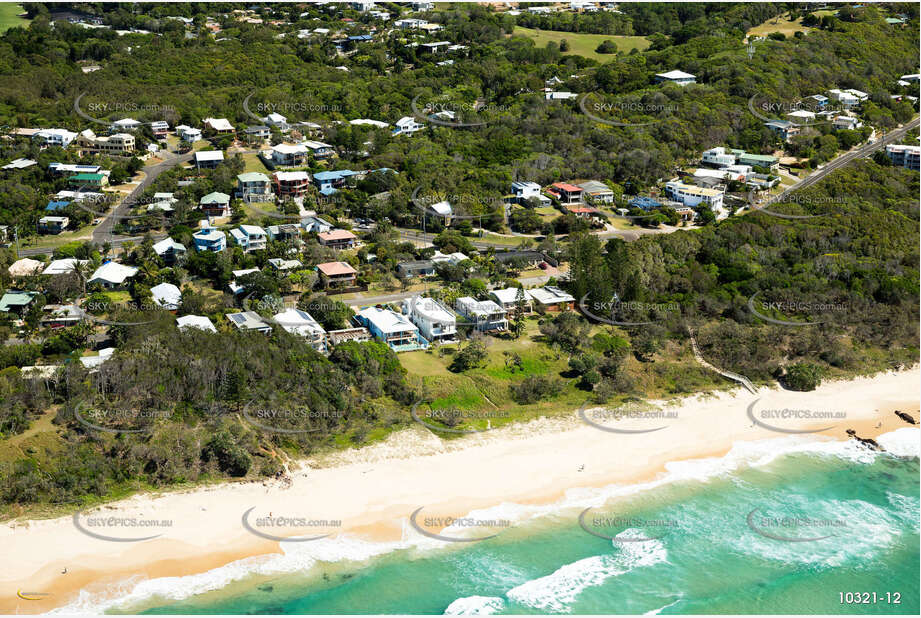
x=906, y=417
x=868, y=442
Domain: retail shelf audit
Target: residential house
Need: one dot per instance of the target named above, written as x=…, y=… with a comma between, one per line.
x=19, y=164
x=281, y=265
x=676, y=77
x=345, y=335
x=289, y=155
x=59, y=169
x=95, y=181
x=784, y=128
x=188, y=134
x=249, y=320
x=64, y=266
x=691, y=195
x=802, y=116
x=276, y=120
x=208, y=159
x=845, y=98
x=415, y=268
x=450, y=258
x=567, y=194
x=125, y=124
x=434, y=320
x=215, y=204
x=315, y=224
x=319, y=150
x=159, y=128
x=221, y=126
x=283, y=232
x=16, y=302
x=61, y=316
x=337, y=275
x=61, y=138
x=484, y=315
x=169, y=250
x=904, y=156
x=291, y=184
x=524, y=191
x=167, y=296
x=119, y=144
x=56, y=205
x=329, y=182
x=818, y=101
x=337, y=239
x=510, y=299
x=195, y=321
x=301, y=323
x=391, y=328
x=552, y=298
x=597, y=192
x=843, y=122
x=234, y=287
x=112, y=275
x=407, y=125
x=53, y=225
x=209, y=239
x=528, y=258
x=258, y=132
x=250, y=237
x=755, y=160
x=254, y=187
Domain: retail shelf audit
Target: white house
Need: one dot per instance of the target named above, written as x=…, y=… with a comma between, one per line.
x=195, y=321
x=718, y=157
x=219, y=125
x=208, y=158
x=391, y=328
x=63, y=267
x=55, y=137
x=112, y=275
x=509, y=298
x=167, y=296
x=188, y=134
x=676, y=77
x=249, y=320
x=250, y=237
x=434, y=320
x=690, y=195
x=844, y=97
x=407, y=125
x=524, y=190
x=125, y=124
x=301, y=323
x=846, y=122
x=287, y=155
x=276, y=120
x=485, y=315
x=169, y=249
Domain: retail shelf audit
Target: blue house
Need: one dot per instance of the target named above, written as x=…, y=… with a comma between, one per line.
x=210, y=239
x=330, y=182
x=54, y=206
x=645, y=203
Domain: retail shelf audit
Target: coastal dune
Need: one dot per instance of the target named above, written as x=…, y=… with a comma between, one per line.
x=371, y=493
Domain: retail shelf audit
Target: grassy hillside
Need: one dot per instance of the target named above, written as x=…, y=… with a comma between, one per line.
x=9, y=16
x=583, y=44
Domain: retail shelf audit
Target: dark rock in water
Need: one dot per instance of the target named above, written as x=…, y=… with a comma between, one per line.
x=267, y=588
x=906, y=417
x=868, y=442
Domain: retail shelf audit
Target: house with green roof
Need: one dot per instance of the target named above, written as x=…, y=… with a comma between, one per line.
x=88, y=180
x=215, y=204
x=16, y=302
x=254, y=187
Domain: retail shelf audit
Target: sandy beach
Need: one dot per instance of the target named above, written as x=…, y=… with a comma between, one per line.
x=371, y=492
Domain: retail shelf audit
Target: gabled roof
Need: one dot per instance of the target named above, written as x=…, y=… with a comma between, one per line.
x=113, y=272
x=332, y=269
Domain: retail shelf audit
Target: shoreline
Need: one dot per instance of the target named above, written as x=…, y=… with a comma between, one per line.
x=535, y=463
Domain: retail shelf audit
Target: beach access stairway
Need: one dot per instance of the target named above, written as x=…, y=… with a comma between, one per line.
x=726, y=374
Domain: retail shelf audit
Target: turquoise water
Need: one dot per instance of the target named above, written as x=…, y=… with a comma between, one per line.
x=701, y=555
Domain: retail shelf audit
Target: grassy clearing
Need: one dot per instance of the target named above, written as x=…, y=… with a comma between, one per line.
x=583, y=44
x=9, y=16
x=255, y=164
x=782, y=24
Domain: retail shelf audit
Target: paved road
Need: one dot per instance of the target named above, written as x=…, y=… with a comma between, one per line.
x=843, y=160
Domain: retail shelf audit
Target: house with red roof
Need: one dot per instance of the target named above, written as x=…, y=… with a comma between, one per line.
x=567, y=194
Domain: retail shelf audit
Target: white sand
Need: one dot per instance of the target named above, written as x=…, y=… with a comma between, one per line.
x=373, y=490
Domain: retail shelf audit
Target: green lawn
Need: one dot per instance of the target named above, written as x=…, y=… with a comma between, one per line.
x=8, y=16
x=583, y=44
x=782, y=24
x=255, y=164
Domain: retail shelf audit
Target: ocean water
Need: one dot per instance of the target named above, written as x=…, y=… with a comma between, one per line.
x=784, y=526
